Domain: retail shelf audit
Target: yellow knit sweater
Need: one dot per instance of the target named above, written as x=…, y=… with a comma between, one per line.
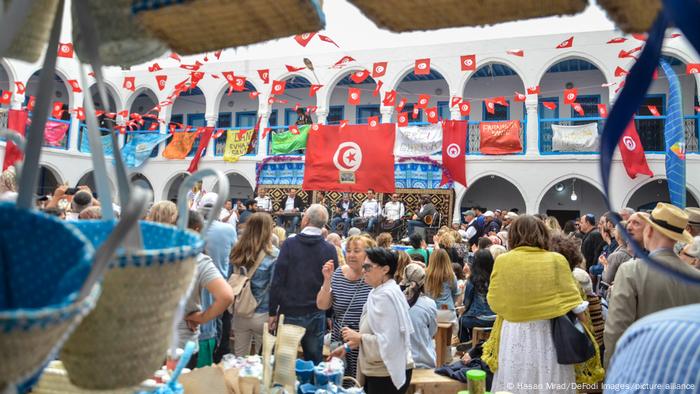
x=528, y=284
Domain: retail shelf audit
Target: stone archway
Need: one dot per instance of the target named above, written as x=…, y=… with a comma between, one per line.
x=570, y=198
x=493, y=192
x=412, y=86
x=654, y=191
x=49, y=180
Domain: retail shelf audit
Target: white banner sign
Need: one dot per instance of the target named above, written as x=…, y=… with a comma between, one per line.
x=581, y=138
x=413, y=141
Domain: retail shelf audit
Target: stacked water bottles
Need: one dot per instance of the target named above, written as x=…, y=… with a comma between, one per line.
x=324, y=378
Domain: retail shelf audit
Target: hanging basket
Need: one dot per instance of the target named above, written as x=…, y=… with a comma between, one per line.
x=31, y=38
x=632, y=16
x=125, y=339
x=411, y=15
x=122, y=39
x=44, y=263
x=196, y=26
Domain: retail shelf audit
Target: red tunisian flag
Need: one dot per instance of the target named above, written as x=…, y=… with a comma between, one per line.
x=632, y=153
x=17, y=121
x=353, y=158
x=454, y=139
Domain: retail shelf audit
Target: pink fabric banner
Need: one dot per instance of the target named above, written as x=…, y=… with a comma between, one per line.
x=54, y=132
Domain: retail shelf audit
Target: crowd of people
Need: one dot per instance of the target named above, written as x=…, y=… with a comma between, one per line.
x=376, y=303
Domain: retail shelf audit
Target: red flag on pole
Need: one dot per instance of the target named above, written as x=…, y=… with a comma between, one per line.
x=632, y=153
x=17, y=121
x=454, y=138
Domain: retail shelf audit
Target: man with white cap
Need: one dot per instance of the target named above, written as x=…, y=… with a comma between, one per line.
x=639, y=289
x=490, y=223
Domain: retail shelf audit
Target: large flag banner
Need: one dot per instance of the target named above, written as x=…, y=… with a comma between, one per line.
x=579, y=138
x=352, y=159
x=674, y=134
x=237, y=144
x=55, y=131
x=287, y=142
x=180, y=145
x=203, y=143
x=413, y=141
x=139, y=148
x=16, y=121
x=632, y=152
x=500, y=138
x=105, y=140
x=454, y=141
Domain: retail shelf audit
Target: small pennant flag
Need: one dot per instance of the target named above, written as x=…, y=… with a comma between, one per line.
x=353, y=96
x=278, y=87
x=312, y=109
x=465, y=108
x=304, y=39
x=640, y=36
x=31, y=103
x=423, y=101
x=153, y=126
x=379, y=69
x=389, y=98
x=266, y=131
x=654, y=111
x=74, y=85
x=675, y=35
x=402, y=119
x=432, y=114
x=620, y=86
x=516, y=52
x=519, y=97
x=549, y=105
x=578, y=108
x=154, y=67
x=190, y=67
x=619, y=71
x=253, y=95
x=123, y=113
x=293, y=69
x=228, y=75
x=56, y=110
x=65, y=50
x=264, y=75
x=294, y=129
x=568, y=43
x=692, y=68
x=500, y=100
x=313, y=89
x=161, y=80
x=402, y=103
x=343, y=61
x=373, y=121
x=607, y=85
x=327, y=39
x=376, y=88
x=454, y=101
x=603, y=110
x=214, y=76
x=626, y=54
x=415, y=112
x=617, y=40
x=217, y=54
x=238, y=83
x=359, y=76
x=467, y=62
x=20, y=87
x=80, y=113
x=5, y=97
x=570, y=95
x=490, y=106
x=175, y=56
x=343, y=123
x=129, y=83
x=422, y=67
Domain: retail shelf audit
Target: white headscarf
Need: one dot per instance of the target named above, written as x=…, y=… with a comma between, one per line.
x=388, y=318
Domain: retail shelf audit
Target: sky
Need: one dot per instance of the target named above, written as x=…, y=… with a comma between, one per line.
x=348, y=27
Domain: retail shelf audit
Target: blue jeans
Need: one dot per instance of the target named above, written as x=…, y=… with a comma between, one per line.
x=466, y=323
x=412, y=224
x=284, y=221
x=346, y=224
x=370, y=224
x=312, y=341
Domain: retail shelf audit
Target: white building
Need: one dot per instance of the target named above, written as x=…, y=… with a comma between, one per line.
x=536, y=180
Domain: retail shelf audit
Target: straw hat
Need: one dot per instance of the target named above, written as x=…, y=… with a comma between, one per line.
x=693, y=216
x=670, y=221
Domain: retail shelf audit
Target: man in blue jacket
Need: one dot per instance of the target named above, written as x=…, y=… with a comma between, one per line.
x=297, y=280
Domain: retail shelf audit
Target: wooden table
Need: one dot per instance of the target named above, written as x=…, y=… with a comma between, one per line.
x=426, y=381
x=443, y=340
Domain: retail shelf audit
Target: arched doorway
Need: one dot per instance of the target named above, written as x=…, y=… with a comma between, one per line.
x=653, y=192
x=283, y=107
x=413, y=86
x=339, y=108
x=492, y=81
x=572, y=73
x=173, y=186
x=60, y=93
x=236, y=109
x=142, y=102
x=105, y=122
x=48, y=181
x=188, y=110
x=571, y=198
x=138, y=179
x=5, y=83
x=239, y=187
x=89, y=180
x=493, y=192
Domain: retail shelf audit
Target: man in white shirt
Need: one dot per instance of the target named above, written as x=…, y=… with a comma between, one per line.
x=369, y=211
x=394, y=209
x=263, y=200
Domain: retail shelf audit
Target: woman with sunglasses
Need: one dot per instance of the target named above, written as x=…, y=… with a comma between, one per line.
x=384, y=339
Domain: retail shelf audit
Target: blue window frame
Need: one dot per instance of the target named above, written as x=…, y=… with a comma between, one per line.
x=408, y=109
x=364, y=112
x=246, y=119
x=177, y=119
x=223, y=122
x=650, y=128
x=443, y=108
x=335, y=114
x=501, y=112
x=196, y=120
x=290, y=116
x=545, y=114
x=272, y=122
x=589, y=105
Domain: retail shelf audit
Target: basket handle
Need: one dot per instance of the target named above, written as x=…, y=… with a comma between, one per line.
x=187, y=184
x=353, y=380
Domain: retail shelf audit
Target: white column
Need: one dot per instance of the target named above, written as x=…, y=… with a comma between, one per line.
x=386, y=111
x=73, y=136
x=321, y=115
x=265, y=123
x=532, y=127
x=17, y=101
x=211, y=122
x=455, y=114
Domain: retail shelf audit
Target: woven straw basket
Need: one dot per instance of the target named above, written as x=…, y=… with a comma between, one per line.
x=55, y=380
x=34, y=33
x=42, y=276
x=196, y=26
x=409, y=15
x=125, y=339
x=122, y=40
x=632, y=16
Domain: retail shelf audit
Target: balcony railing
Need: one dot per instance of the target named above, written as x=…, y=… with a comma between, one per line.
x=220, y=143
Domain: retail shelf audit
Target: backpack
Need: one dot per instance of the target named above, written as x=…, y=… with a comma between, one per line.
x=244, y=303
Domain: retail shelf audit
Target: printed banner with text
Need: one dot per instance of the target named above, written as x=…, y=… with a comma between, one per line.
x=415, y=141
x=579, y=138
x=500, y=138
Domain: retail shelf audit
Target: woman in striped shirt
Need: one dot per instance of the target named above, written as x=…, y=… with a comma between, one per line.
x=344, y=290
